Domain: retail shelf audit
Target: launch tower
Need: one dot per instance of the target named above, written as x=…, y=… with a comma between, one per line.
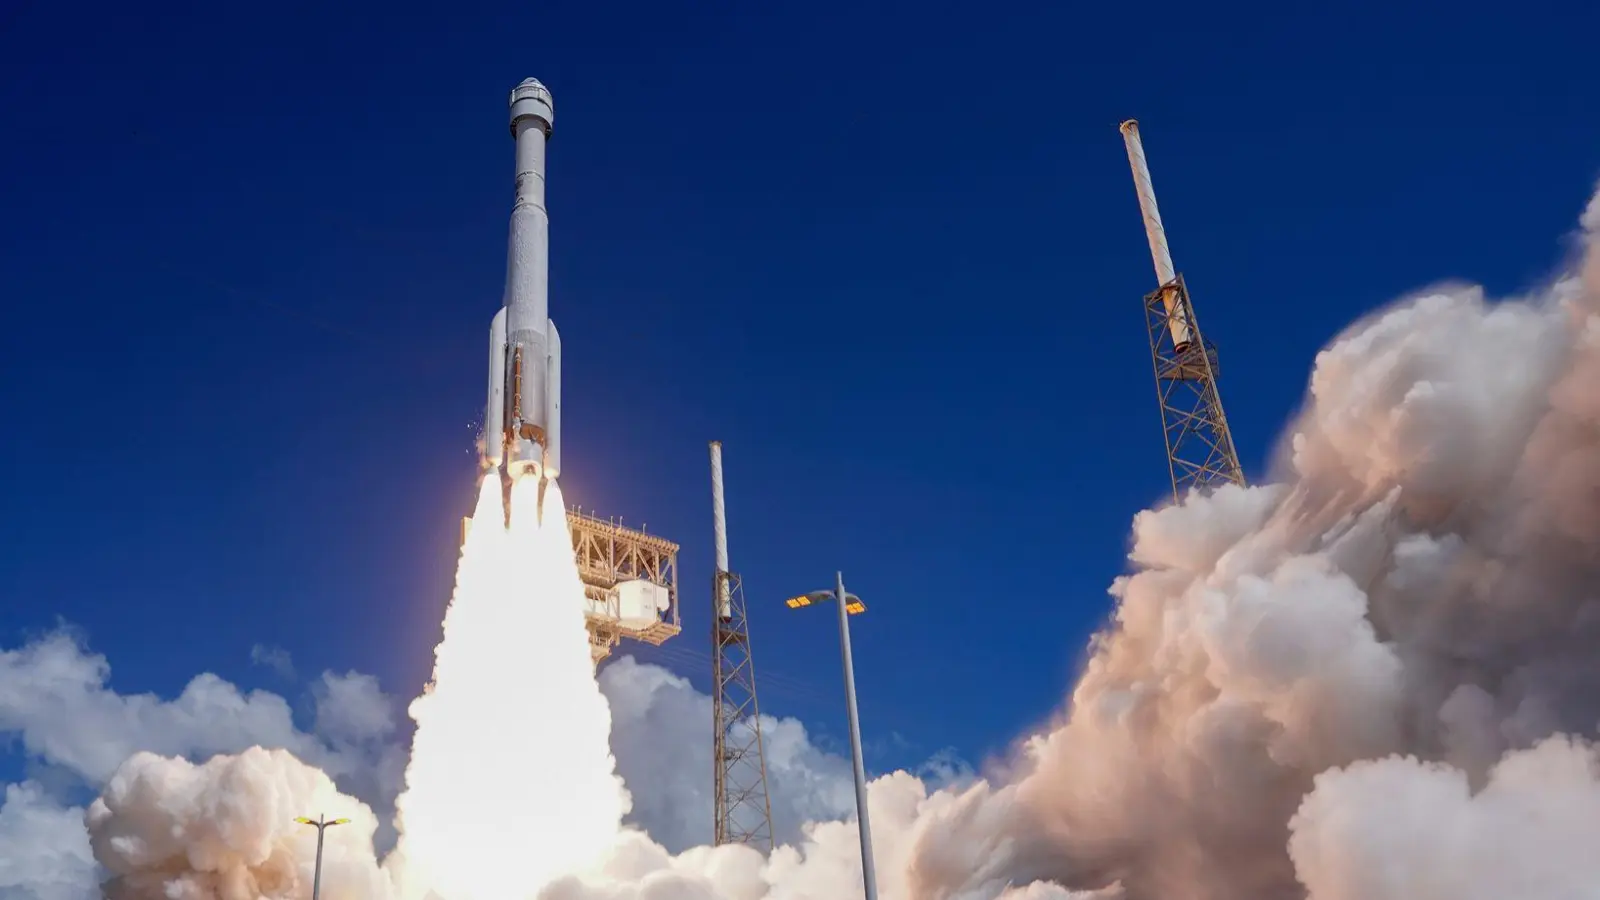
x=743, y=809
x=1200, y=450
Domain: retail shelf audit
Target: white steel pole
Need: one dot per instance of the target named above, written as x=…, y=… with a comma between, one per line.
x=868, y=873
x=719, y=528
x=1177, y=319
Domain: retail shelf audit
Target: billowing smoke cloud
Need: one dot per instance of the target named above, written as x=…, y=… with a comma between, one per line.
x=166, y=828
x=1529, y=831
x=57, y=704
x=823, y=865
x=1372, y=679
x=658, y=737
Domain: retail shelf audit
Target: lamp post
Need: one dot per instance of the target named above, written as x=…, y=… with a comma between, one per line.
x=849, y=605
x=321, y=825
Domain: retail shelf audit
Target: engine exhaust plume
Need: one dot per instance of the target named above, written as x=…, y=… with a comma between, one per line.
x=511, y=782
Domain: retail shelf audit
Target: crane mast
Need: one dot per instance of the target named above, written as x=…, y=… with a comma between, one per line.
x=1200, y=451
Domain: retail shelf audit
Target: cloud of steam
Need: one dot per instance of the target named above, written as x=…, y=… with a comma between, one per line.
x=658, y=738
x=165, y=828
x=1529, y=831
x=823, y=865
x=57, y=702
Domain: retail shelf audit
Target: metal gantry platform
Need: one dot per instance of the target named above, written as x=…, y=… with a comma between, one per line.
x=609, y=553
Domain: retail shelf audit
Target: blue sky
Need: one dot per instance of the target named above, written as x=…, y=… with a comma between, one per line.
x=889, y=254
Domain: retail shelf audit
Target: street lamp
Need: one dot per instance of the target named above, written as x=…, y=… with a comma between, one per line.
x=321, y=825
x=850, y=605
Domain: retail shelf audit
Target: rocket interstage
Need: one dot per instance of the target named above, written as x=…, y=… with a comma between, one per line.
x=522, y=422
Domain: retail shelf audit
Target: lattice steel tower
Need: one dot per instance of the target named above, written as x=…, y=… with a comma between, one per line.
x=1200, y=450
x=743, y=810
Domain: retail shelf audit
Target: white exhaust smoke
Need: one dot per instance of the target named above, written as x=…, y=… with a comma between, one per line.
x=511, y=782
x=166, y=829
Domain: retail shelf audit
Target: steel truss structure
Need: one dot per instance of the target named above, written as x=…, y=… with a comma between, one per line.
x=1200, y=451
x=743, y=809
x=608, y=554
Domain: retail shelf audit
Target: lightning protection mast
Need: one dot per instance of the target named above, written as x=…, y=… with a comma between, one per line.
x=743, y=810
x=1200, y=452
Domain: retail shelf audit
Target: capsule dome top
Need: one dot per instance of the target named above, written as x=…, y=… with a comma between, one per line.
x=532, y=98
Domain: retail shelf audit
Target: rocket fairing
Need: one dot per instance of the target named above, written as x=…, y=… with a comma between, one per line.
x=522, y=421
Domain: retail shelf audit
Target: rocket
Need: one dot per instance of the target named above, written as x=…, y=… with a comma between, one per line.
x=522, y=421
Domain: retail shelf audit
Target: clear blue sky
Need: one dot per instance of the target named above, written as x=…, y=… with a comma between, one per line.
x=888, y=253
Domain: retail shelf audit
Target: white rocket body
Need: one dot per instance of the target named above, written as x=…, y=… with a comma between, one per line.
x=522, y=421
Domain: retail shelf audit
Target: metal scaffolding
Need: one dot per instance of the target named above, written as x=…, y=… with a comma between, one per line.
x=1200, y=451
x=743, y=809
x=609, y=554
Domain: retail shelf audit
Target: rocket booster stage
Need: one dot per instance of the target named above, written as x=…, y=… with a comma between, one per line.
x=522, y=423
